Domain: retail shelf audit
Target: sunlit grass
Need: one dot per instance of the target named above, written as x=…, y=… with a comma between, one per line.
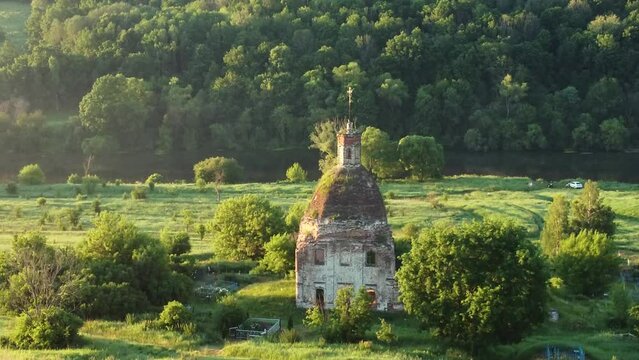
x=458, y=198
x=13, y=21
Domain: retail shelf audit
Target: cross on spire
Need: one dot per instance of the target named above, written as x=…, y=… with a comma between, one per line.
x=350, y=101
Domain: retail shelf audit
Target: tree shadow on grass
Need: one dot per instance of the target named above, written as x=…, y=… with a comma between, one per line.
x=120, y=349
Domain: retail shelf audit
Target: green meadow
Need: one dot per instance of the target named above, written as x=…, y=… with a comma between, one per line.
x=583, y=322
x=13, y=19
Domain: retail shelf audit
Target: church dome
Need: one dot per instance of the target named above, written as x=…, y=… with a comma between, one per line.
x=347, y=193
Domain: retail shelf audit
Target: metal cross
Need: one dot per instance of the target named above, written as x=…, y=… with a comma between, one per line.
x=350, y=101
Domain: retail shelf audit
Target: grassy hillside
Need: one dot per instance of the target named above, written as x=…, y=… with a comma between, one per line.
x=13, y=19
x=582, y=322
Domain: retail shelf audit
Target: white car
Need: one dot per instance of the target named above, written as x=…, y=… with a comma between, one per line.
x=575, y=185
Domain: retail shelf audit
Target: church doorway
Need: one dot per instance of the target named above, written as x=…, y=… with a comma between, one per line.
x=319, y=297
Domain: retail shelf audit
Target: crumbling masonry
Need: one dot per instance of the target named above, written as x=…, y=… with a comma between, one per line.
x=344, y=238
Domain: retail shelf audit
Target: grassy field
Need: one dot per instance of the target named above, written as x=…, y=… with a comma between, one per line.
x=13, y=19
x=582, y=322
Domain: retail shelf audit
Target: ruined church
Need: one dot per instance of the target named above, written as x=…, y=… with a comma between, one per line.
x=344, y=237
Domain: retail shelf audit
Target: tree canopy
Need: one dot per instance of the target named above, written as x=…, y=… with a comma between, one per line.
x=477, y=284
x=192, y=74
x=242, y=226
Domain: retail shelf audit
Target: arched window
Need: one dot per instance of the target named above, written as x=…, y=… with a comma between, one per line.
x=348, y=153
x=370, y=258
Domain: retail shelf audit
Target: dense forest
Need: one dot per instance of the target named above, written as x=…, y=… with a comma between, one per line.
x=172, y=75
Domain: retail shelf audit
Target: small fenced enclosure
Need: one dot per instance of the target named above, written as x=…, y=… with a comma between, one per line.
x=565, y=353
x=254, y=328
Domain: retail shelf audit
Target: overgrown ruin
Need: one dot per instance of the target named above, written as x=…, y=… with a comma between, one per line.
x=344, y=237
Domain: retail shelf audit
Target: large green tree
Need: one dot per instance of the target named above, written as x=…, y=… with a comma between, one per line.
x=477, y=284
x=242, y=226
x=421, y=156
x=118, y=106
x=379, y=153
x=128, y=269
x=587, y=262
x=589, y=212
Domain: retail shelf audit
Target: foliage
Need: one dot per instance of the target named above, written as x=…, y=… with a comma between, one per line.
x=587, y=262
x=348, y=321
x=41, y=201
x=385, y=332
x=589, y=212
x=476, y=284
x=36, y=276
x=90, y=183
x=74, y=179
x=555, y=226
x=176, y=244
x=31, y=174
x=295, y=173
x=633, y=313
x=294, y=215
x=174, y=316
x=68, y=218
x=50, y=328
x=218, y=170
x=421, y=156
x=323, y=138
x=241, y=227
x=278, y=68
x=228, y=314
x=138, y=193
x=379, y=153
x=11, y=188
x=279, y=254
x=621, y=303
x=116, y=106
x=155, y=178
x=129, y=269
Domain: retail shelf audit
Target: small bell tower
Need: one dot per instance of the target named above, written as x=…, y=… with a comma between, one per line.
x=349, y=140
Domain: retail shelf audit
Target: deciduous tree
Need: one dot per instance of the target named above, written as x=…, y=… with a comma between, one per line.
x=477, y=284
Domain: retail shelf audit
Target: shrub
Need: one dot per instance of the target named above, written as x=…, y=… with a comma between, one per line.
x=11, y=188
x=385, y=333
x=350, y=319
x=279, y=256
x=68, y=218
x=289, y=336
x=138, y=193
x=90, y=183
x=176, y=244
x=41, y=201
x=151, y=185
x=200, y=184
x=218, y=169
x=31, y=174
x=174, y=316
x=228, y=314
x=294, y=216
x=52, y=328
x=587, y=262
x=201, y=230
x=96, y=206
x=74, y=179
x=296, y=173
x=154, y=178
x=117, y=182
